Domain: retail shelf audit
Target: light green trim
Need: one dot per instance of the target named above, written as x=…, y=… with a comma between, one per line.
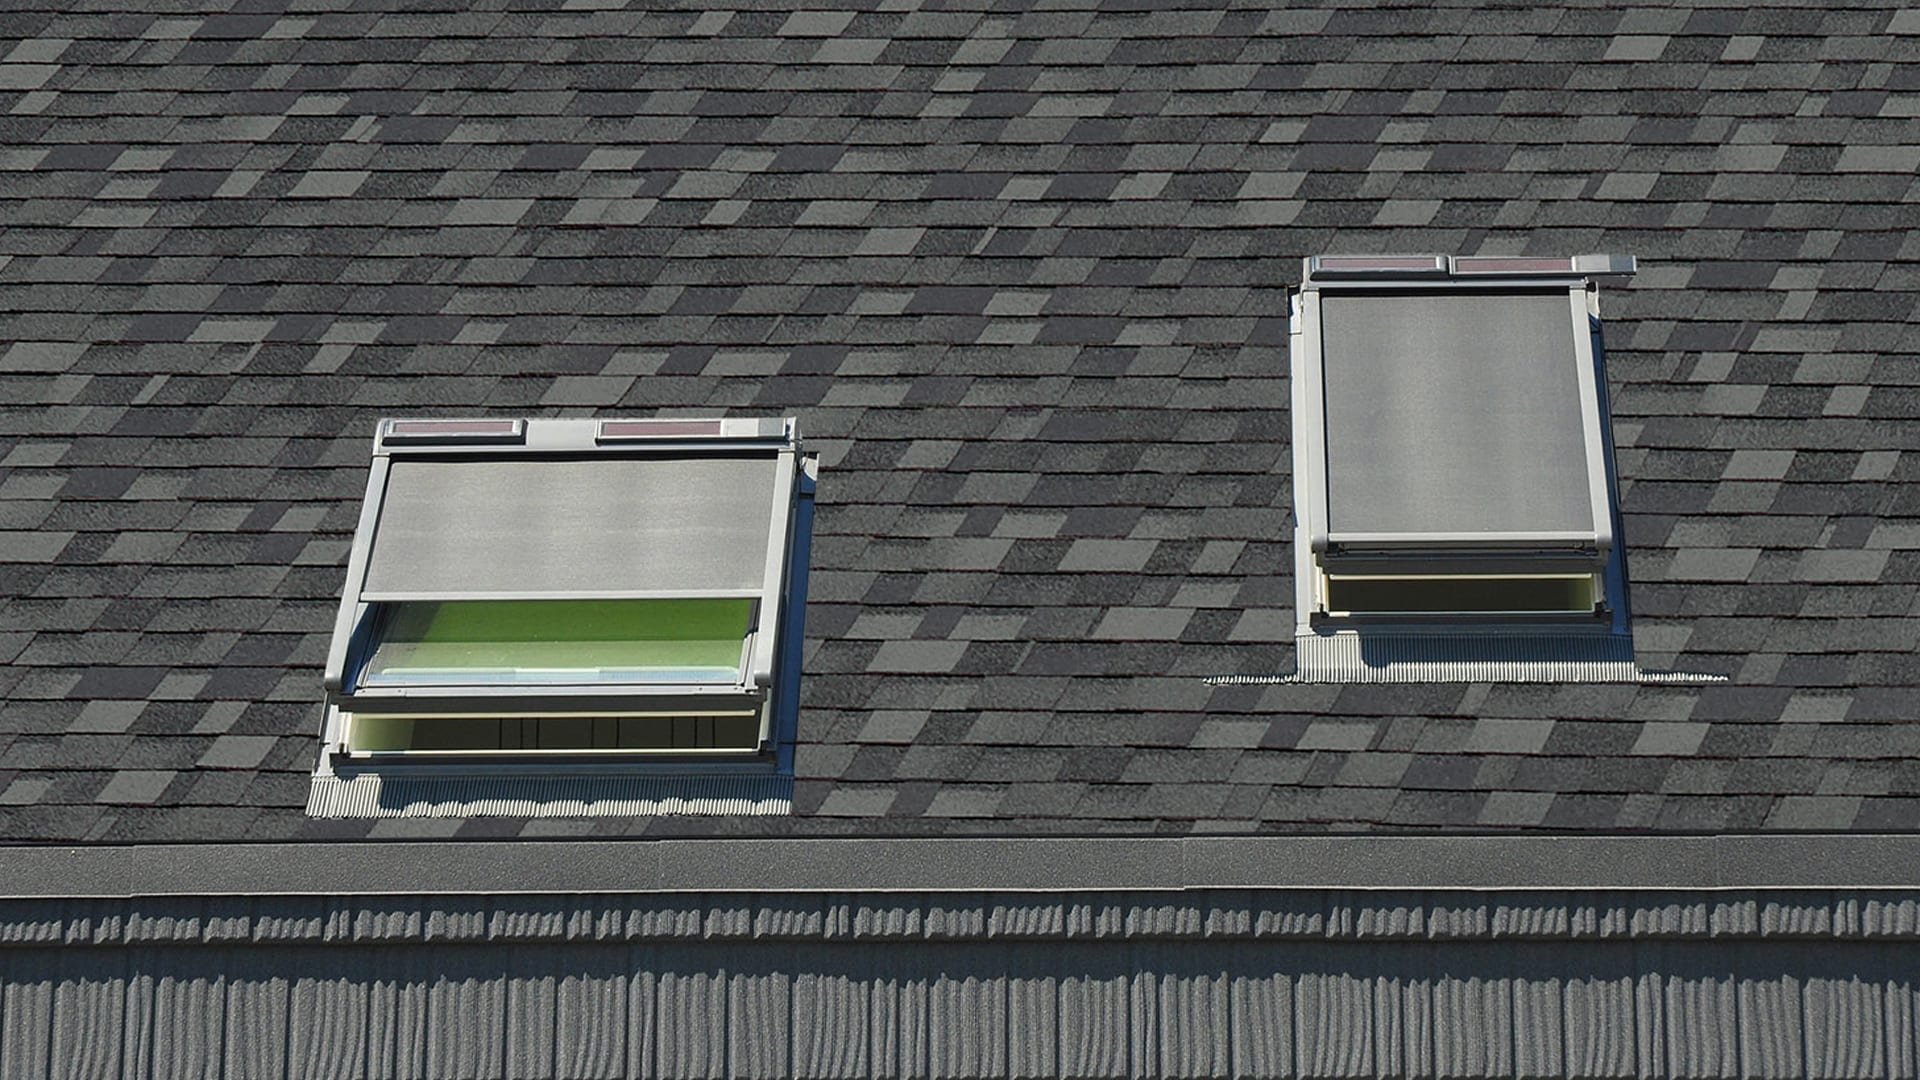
x=545, y=638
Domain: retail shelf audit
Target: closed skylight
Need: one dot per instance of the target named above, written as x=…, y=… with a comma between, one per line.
x=1456, y=508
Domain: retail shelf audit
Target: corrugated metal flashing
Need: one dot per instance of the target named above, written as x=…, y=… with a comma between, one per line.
x=374, y=794
x=1356, y=657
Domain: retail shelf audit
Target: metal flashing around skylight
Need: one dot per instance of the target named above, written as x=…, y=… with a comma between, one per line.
x=1391, y=267
x=1606, y=265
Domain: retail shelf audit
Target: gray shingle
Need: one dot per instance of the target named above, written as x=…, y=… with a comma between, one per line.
x=1679, y=739
x=815, y=23
x=1697, y=564
x=327, y=184
x=488, y=211
x=1509, y=736
x=1841, y=565
x=1126, y=556
x=1337, y=735
x=1137, y=624
x=237, y=752
x=107, y=717
x=135, y=786
x=36, y=546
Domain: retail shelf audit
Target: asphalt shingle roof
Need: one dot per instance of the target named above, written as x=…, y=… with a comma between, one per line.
x=1020, y=271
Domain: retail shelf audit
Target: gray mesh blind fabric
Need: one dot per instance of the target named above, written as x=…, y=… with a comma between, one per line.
x=1453, y=413
x=583, y=526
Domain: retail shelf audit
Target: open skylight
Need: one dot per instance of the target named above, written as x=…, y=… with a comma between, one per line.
x=535, y=591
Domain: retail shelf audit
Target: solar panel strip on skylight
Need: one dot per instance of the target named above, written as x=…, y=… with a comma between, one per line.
x=619, y=430
x=1487, y=264
x=454, y=431
x=572, y=526
x=1366, y=265
x=1453, y=413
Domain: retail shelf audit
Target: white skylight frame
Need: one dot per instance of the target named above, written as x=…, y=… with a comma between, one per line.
x=1473, y=643
x=582, y=444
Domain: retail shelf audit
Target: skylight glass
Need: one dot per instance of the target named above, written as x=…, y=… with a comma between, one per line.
x=468, y=642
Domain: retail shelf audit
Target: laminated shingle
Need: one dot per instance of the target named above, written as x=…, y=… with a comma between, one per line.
x=1071, y=341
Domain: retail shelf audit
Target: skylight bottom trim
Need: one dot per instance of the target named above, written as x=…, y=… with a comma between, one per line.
x=372, y=795
x=1350, y=657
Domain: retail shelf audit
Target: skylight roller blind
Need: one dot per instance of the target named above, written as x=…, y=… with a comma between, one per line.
x=1454, y=414
x=559, y=527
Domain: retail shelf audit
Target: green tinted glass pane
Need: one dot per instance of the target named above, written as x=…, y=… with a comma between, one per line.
x=561, y=641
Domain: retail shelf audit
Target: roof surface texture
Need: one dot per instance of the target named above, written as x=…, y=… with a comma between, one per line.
x=1020, y=270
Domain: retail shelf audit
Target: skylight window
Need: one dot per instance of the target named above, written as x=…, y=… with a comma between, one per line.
x=1456, y=513
x=538, y=597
